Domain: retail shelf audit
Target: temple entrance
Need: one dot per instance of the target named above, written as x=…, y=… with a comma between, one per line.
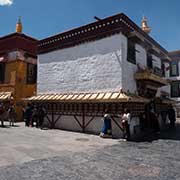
x=148, y=90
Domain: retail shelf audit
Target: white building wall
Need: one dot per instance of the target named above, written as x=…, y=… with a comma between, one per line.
x=166, y=89
x=95, y=126
x=94, y=66
x=129, y=69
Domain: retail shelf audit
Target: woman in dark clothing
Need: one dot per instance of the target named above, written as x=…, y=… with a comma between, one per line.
x=28, y=114
x=172, y=116
x=41, y=115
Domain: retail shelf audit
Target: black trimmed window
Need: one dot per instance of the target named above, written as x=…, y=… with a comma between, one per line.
x=2, y=73
x=174, y=70
x=131, y=52
x=149, y=61
x=175, y=89
x=163, y=69
x=31, y=73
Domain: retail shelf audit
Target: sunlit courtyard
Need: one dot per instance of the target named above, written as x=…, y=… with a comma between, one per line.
x=30, y=153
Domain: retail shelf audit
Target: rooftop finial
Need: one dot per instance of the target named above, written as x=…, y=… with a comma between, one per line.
x=19, y=25
x=145, y=26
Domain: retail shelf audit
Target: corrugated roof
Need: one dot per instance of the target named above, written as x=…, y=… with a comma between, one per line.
x=5, y=96
x=88, y=97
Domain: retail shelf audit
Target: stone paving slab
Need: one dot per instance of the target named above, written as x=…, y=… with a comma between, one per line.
x=21, y=144
x=32, y=154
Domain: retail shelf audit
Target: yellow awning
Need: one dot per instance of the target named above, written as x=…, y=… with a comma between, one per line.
x=89, y=97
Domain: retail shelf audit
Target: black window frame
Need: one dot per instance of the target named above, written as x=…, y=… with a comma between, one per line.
x=2, y=72
x=149, y=61
x=163, y=69
x=31, y=77
x=177, y=94
x=177, y=69
x=131, y=52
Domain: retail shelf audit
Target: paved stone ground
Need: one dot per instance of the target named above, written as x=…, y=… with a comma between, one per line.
x=33, y=154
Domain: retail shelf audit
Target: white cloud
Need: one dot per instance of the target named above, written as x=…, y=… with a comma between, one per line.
x=6, y=2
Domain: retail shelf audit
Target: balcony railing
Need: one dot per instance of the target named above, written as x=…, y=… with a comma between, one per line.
x=157, y=71
x=152, y=74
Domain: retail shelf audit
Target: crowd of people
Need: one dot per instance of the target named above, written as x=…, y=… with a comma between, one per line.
x=125, y=121
x=34, y=114
x=7, y=113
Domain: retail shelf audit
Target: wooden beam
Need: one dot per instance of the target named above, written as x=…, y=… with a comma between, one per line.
x=117, y=123
x=77, y=120
x=89, y=121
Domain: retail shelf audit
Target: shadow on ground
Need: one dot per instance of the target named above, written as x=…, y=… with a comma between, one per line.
x=7, y=126
x=167, y=133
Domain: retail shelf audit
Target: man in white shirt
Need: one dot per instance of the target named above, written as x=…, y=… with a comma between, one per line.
x=127, y=117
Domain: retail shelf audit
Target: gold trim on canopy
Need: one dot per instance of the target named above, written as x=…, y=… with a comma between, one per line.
x=5, y=96
x=89, y=97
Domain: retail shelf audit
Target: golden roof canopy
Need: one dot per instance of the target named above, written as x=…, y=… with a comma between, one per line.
x=118, y=96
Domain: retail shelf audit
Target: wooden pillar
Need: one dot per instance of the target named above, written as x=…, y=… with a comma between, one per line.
x=83, y=118
x=52, y=115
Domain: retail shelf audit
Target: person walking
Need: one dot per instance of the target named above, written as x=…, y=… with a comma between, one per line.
x=172, y=116
x=2, y=112
x=34, y=116
x=126, y=120
x=107, y=129
x=12, y=115
x=28, y=114
x=41, y=114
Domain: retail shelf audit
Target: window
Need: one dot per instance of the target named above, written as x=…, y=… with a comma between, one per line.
x=131, y=53
x=163, y=70
x=174, y=71
x=31, y=73
x=149, y=61
x=2, y=73
x=175, y=89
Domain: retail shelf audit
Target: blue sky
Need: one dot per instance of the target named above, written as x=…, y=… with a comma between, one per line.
x=42, y=18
